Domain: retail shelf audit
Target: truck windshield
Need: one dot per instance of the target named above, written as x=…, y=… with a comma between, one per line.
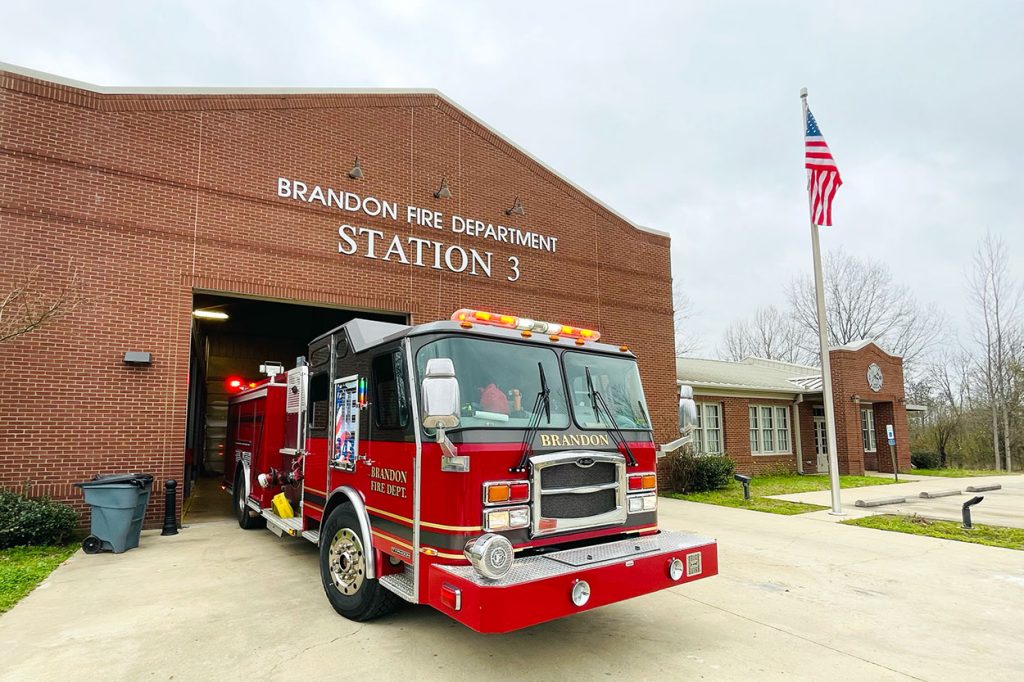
x=499, y=382
x=618, y=382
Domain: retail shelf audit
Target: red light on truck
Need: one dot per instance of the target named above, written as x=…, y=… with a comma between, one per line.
x=639, y=482
x=506, y=492
x=234, y=384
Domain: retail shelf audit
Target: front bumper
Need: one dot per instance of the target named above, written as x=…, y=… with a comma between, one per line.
x=539, y=588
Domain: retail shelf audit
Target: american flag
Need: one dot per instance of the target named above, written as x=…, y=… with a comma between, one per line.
x=823, y=179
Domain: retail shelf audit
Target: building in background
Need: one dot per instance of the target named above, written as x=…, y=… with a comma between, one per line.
x=769, y=416
x=213, y=230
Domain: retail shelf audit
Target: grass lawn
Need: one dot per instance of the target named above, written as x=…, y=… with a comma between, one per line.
x=760, y=488
x=957, y=473
x=22, y=568
x=994, y=536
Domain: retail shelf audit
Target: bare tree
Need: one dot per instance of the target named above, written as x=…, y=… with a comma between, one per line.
x=864, y=302
x=949, y=378
x=687, y=342
x=997, y=301
x=31, y=303
x=770, y=333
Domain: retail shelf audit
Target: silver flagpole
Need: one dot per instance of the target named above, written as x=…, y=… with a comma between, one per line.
x=826, y=365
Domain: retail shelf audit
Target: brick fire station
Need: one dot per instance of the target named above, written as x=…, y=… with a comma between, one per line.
x=208, y=231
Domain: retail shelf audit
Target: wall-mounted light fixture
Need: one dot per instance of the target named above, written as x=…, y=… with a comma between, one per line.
x=137, y=358
x=357, y=171
x=855, y=398
x=210, y=314
x=443, y=192
x=517, y=208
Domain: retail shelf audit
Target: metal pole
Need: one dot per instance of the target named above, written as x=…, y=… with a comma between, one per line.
x=826, y=365
x=895, y=459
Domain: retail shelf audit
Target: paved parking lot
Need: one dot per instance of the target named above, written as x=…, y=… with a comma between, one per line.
x=797, y=598
x=1003, y=507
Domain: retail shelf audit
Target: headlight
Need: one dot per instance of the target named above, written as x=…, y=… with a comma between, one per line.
x=642, y=503
x=491, y=555
x=506, y=518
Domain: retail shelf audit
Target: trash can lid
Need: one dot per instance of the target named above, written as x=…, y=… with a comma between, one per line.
x=140, y=480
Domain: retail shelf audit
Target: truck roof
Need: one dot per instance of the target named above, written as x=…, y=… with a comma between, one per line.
x=365, y=334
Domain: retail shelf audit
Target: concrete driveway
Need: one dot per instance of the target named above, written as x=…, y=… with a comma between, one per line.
x=1003, y=507
x=797, y=598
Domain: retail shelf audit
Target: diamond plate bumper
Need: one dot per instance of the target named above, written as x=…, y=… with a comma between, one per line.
x=538, y=588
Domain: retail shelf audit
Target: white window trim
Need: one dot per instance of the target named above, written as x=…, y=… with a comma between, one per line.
x=700, y=434
x=873, y=440
x=760, y=452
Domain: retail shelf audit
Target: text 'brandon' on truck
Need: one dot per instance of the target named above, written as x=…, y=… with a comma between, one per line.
x=497, y=468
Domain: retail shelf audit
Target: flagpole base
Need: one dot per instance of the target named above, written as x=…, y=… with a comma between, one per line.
x=833, y=512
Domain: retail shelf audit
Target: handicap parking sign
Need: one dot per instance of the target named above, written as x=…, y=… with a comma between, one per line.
x=890, y=434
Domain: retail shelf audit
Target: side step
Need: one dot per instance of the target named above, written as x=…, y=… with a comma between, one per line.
x=401, y=584
x=279, y=526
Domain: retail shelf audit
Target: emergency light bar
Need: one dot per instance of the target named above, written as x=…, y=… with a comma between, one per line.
x=467, y=315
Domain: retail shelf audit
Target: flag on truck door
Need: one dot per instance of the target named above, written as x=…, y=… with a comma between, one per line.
x=823, y=178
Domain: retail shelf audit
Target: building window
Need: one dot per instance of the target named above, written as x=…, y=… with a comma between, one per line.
x=769, y=430
x=707, y=436
x=867, y=429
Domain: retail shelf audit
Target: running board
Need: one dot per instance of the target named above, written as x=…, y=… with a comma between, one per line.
x=401, y=584
x=279, y=526
x=312, y=535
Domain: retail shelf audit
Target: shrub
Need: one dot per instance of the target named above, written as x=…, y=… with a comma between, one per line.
x=924, y=460
x=690, y=473
x=24, y=521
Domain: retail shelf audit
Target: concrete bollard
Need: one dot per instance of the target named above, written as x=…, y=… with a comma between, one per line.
x=879, y=501
x=170, y=510
x=940, y=493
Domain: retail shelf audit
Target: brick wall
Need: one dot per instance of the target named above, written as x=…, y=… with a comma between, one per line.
x=152, y=197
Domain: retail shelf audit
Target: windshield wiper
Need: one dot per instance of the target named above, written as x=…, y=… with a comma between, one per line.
x=596, y=399
x=543, y=401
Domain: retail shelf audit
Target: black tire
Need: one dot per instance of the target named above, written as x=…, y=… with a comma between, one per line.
x=343, y=569
x=247, y=519
x=92, y=545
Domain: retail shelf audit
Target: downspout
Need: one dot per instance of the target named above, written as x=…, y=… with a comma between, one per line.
x=796, y=434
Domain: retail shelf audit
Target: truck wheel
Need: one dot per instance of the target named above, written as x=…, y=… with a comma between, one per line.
x=246, y=520
x=343, y=569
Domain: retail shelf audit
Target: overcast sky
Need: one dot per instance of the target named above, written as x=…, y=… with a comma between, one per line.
x=683, y=116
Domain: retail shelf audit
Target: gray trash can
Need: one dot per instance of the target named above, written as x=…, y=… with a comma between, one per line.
x=118, y=504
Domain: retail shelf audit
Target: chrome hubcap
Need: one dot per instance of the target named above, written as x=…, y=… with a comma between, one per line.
x=347, y=563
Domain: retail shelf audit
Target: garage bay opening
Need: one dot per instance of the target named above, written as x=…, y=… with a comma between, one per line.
x=231, y=338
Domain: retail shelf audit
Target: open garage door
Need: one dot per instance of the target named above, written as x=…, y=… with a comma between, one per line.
x=231, y=337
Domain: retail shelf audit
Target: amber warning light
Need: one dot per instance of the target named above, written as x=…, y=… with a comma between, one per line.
x=467, y=316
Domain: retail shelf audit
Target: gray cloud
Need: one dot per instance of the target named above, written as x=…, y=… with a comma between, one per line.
x=683, y=117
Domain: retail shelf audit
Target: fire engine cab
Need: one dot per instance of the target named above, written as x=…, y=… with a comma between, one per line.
x=498, y=468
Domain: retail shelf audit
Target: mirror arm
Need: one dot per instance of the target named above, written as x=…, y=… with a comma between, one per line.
x=672, y=446
x=450, y=459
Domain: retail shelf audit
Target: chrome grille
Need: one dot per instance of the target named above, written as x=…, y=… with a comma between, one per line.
x=573, y=506
x=578, y=489
x=569, y=475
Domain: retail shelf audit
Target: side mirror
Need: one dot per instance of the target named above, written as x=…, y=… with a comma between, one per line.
x=440, y=395
x=687, y=410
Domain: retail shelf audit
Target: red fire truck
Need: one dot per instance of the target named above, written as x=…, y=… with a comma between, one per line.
x=498, y=468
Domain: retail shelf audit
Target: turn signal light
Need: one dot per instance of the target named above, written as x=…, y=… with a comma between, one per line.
x=638, y=482
x=506, y=492
x=468, y=316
